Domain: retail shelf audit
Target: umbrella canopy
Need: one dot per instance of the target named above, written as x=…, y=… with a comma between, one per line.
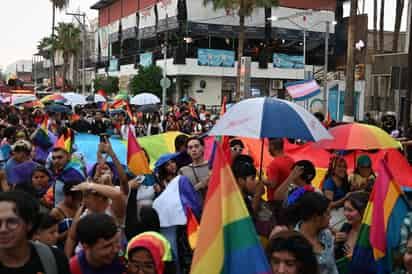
x=121, y=96
x=58, y=108
x=53, y=98
x=358, y=136
x=270, y=118
x=96, y=98
x=148, y=108
x=33, y=104
x=74, y=99
x=145, y=99
x=21, y=99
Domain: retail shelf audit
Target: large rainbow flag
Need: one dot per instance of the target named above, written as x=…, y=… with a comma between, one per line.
x=227, y=243
x=380, y=232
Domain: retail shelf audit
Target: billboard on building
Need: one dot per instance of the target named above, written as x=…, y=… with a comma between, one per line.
x=215, y=58
x=114, y=64
x=281, y=60
x=146, y=59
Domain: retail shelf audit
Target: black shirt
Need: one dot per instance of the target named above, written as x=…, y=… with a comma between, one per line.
x=81, y=126
x=34, y=265
x=99, y=127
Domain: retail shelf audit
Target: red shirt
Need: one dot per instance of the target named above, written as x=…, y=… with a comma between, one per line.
x=278, y=171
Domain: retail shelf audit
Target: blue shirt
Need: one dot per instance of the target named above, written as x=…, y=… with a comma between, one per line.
x=338, y=192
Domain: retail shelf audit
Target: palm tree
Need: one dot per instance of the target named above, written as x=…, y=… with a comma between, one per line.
x=398, y=19
x=349, y=108
x=44, y=46
x=57, y=4
x=68, y=42
x=244, y=8
x=382, y=26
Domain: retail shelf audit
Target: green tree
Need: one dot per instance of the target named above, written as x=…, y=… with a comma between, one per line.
x=244, y=8
x=68, y=42
x=109, y=84
x=44, y=47
x=60, y=5
x=147, y=80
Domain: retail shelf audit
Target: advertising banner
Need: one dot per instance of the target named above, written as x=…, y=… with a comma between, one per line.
x=215, y=58
x=281, y=60
x=146, y=59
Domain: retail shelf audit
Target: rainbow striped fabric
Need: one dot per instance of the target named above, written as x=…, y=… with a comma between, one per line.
x=65, y=141
x=302, y=90
x=137, y=162
x=227, y=241
x=41, y=135
x=380, y=232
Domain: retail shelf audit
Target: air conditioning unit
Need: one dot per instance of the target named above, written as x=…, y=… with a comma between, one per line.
x=277, y=84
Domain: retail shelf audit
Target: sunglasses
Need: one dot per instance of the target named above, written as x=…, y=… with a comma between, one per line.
x=236, y=149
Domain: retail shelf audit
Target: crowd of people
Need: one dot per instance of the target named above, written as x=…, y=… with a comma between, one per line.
x=59, y=214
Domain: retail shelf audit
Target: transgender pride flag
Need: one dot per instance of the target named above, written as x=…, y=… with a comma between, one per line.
x=302, y=90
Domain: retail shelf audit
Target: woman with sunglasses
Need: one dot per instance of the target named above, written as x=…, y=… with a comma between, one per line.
x=236, y=148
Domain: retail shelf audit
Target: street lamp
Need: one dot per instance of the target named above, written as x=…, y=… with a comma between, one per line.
x=305, y=29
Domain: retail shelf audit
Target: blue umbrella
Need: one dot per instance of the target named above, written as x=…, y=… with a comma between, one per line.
x=270, y=118
x=58, y=108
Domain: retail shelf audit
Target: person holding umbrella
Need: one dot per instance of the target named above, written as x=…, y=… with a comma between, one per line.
x=279, y=168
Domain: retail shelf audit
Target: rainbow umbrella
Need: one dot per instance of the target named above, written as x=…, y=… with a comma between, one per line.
x=34, y=104
x=357, y=136
x=53, y=98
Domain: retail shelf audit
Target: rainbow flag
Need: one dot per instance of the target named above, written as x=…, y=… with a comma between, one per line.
x=103, y=106
x=118, y=104
x=102, y=93
x=302, y=90
x=41, y=135
x=65, y=141
x=228, y=243
x=192, y=228
x=136, y=159
x=380, y=232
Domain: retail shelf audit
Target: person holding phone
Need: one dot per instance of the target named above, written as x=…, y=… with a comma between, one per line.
x=106, y=172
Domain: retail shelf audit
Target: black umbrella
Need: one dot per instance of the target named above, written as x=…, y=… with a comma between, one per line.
x=148, y=108
x=58, y=109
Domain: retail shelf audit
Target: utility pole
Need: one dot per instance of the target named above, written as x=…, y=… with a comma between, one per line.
x=408, y=99
x=349, y=107
x=163, y=84
x=325, y=80
x=82, y=24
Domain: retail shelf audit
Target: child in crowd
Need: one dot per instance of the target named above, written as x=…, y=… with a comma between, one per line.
x=47, y=231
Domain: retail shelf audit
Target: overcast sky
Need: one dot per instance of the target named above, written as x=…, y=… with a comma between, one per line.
x=24, y=22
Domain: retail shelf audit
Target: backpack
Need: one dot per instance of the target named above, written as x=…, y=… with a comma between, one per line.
x=47, y=258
